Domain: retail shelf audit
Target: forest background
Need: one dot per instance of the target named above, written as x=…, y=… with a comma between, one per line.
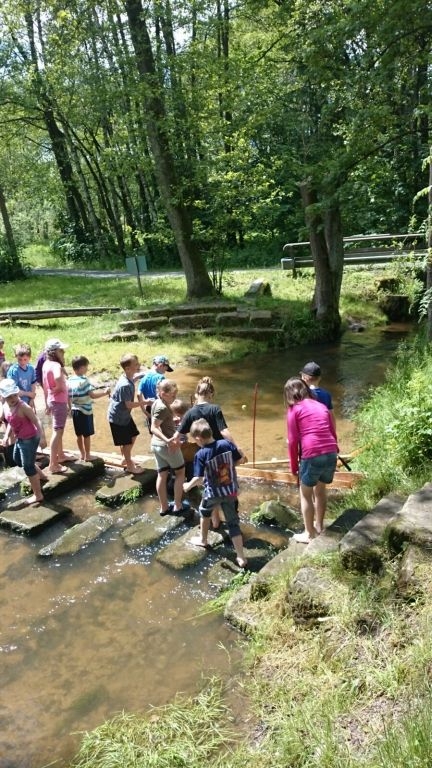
x=205, y=134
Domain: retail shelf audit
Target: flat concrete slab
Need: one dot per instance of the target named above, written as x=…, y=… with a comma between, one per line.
x=78, y=536
x=181, y=554
x=77, y=473
x=33, y=519
x=124, y=487
x=150, y=529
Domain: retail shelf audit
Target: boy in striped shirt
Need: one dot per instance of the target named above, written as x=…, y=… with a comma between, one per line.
x=81, y=393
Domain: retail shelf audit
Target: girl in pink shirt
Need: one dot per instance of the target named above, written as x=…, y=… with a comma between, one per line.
x=54, y=383
x=312, y=448
x=22, y=419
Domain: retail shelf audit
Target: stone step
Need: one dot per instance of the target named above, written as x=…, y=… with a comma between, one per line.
x=78, y=537
x=32, y=519
x=125, y=486
x=181, y=554
x=150, y=529
x=413, y=524
x=362, y=548
x=149, y=324
x=188, y=309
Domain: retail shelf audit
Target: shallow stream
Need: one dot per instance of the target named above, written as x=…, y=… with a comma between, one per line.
x=87, y=636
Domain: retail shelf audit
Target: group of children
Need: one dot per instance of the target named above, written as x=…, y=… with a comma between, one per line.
x=312, y=441
x=24, y=432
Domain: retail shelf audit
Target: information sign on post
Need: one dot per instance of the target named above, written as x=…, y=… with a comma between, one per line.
x=137, y=265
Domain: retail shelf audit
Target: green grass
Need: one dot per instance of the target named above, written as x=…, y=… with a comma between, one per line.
x=185, y=734
x=83, y=334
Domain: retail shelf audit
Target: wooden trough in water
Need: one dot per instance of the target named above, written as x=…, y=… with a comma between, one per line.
x=278, y=472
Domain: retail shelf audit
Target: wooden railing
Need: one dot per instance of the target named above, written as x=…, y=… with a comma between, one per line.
x=379, y=249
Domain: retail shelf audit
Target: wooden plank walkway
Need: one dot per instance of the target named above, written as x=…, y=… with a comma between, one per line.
x=47, y=314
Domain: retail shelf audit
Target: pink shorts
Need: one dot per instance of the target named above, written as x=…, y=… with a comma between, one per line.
x=59, y=415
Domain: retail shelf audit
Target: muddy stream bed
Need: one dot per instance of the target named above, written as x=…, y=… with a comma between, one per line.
x=110, y=629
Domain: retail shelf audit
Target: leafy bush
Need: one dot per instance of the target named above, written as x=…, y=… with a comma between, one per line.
x=396, y=423
x=10, y=264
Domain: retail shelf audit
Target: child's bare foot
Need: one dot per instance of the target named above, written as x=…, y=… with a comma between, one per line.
x=197, y=541
x=66, y=457
x=304, y=537
x=241, y=562
x=57, y=469
x=134, y=469
x=33, y=499
x=89, y=457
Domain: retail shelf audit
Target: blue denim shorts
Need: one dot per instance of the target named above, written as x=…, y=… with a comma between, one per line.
x=25, y=454
x=318, y=469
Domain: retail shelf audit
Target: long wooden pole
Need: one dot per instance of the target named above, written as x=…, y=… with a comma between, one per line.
x=255, y=395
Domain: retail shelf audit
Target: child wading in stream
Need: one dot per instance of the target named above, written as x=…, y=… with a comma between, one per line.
x=22, y=419
x=214, y=464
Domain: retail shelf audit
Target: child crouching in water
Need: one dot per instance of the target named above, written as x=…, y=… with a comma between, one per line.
x=22, y=419
x=214, y=464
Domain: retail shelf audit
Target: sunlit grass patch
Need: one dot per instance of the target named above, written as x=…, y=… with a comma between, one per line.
x=184, y=734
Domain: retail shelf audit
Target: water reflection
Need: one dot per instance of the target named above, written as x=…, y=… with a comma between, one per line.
x=109, y=629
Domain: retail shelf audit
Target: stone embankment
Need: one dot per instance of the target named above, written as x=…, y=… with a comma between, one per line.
x=205, y=319
x=395, y=529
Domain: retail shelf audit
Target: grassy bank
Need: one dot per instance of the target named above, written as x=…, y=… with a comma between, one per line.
x=289, y=297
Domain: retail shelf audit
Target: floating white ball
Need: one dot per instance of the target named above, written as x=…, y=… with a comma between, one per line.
x=243, y=407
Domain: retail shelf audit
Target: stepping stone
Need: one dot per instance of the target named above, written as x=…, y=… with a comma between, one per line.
x=331, y=536
x=32, y=519
x=78, y=473
x=126, y=488
x=182, y=554
x=362, y=548
x=78, y=536
x=243, y=613
x=222, y=573
x=150, y=529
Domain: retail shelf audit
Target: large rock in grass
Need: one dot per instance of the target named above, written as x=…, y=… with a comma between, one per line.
x=414, y=522
x=312, y=595
x=363, y=548
x=415, y=574
x=278, y=567
x=181, y=554
x=243, y=613
x=78, y=536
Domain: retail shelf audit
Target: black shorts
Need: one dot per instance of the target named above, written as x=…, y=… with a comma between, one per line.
x=83, y=423
x=123, y=434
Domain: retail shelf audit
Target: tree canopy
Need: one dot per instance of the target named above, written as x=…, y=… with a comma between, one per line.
x=202, y=131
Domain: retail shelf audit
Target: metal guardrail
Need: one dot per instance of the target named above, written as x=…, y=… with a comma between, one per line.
x=395, y=247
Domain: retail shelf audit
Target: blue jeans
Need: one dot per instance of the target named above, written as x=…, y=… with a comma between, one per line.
x=318, y=469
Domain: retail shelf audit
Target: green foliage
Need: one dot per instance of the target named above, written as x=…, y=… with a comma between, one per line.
x=10, y=265
x=395, y=423
x=184, y=734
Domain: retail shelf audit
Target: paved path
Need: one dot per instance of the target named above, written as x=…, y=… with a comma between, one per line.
x=101, y=273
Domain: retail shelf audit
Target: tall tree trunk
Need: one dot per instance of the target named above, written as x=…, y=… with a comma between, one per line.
x=15, y=264
x=197, y=278
x=326, y=242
